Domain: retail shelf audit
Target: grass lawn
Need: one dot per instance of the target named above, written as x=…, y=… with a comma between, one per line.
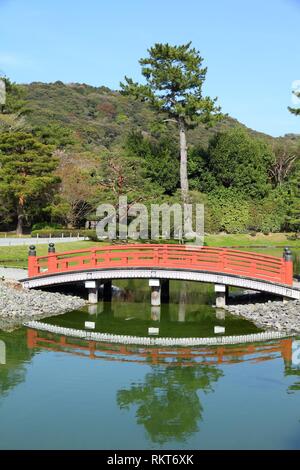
x=16, y=256
x=259, y=240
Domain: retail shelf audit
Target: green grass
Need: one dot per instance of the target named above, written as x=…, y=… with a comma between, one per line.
x=259, y=240
x=16, y=256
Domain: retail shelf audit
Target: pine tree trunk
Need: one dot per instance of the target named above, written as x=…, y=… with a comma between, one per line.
x=20, y=214
x=184, y=183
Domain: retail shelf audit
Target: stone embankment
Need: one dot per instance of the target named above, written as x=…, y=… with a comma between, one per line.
x=283, y=316
x=18, y=305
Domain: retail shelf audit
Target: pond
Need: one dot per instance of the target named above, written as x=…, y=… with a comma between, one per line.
x=61, y=392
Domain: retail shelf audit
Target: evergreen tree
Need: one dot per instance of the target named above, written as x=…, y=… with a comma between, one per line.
x=236, y=160
x=295, y=111
x=26, y=173
x=159, y=157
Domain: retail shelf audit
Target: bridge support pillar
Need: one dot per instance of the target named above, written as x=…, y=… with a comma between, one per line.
x=107, y=290
x=220, y=314
x=93, y=289
x=155, y=313
x=165, y=291
x=92, y=309
x=221, y=295
x=155, y=292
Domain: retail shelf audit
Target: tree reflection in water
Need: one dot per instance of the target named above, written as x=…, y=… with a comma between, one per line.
x=292, y=367
x=13, y=372
x=168, y=405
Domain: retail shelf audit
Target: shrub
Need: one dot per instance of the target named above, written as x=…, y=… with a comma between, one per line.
x=228, y=212
x=268, y=215
x=46, y=226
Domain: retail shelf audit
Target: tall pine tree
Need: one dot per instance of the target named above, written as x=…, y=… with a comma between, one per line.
x=295, y=110
x=174, y=79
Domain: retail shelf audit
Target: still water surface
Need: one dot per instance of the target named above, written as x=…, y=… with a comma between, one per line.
x=62, y=393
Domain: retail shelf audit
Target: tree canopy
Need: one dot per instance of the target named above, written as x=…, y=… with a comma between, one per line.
x=174, y=79
x=26, y=172
x=233, y=160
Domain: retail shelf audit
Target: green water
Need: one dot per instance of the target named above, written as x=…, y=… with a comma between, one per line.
x=55, y=396
x=135, y=319
x=58, y=392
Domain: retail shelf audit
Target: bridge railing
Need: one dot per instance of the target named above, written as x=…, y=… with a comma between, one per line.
x=217, y=260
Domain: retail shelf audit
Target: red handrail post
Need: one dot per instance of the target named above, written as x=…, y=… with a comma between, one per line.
x=32, y=262
x=288, y=266
x=52, y=259
x=94, y=257
x=52, y=264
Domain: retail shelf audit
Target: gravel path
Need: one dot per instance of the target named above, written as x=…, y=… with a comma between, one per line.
x=13, y=273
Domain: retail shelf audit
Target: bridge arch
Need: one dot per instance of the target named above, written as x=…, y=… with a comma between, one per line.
x=219, y=266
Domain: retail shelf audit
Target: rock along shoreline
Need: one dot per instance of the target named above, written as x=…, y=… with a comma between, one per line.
x=283, y=316
x=19, y=305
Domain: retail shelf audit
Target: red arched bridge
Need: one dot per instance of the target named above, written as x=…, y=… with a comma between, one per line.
x=160, y=263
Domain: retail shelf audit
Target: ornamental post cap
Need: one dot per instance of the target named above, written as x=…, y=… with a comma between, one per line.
x=32, y=251
x=287, y=254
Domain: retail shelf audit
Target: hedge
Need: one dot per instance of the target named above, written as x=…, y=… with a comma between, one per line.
x=47, y=233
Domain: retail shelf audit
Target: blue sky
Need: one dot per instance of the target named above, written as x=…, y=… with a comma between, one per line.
x=251, y=47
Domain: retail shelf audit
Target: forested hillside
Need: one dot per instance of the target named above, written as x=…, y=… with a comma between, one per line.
x=103, y=117
x=104, y=144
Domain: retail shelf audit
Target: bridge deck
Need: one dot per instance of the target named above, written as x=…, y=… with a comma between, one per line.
x=246, y=270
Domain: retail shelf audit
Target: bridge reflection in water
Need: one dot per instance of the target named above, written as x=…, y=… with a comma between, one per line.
x=180, y=356
x=170, y=396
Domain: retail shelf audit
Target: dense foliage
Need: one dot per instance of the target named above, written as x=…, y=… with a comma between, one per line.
x=26, y=174
x=65, y=148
